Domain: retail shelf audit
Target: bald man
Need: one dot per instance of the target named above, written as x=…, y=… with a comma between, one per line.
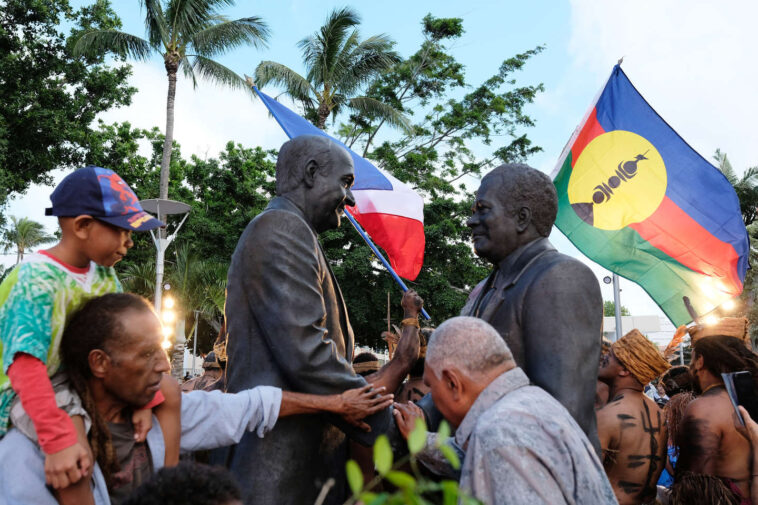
x=521, y=445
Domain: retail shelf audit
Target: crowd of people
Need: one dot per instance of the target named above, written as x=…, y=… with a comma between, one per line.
x=543, y=411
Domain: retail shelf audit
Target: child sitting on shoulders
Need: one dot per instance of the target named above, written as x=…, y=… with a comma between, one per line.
x=97, y=212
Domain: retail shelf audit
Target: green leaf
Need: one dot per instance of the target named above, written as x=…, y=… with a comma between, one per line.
x=417, y=438
x=443, y=433
x=400, y=479
x=451, y=456
x=354, y=477
x=370, y=498
x=382, y=455
x=449, y=492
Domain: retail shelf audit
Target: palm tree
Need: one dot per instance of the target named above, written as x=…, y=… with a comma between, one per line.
x=187, y=34
x=24, y=234
x=746, y=186
x=338, y=65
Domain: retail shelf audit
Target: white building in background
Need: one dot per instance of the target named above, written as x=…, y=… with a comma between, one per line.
x=657, y=328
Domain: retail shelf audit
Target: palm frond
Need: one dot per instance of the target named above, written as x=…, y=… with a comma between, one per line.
x=343, y=62
x=155, y=23
x=725, y=166
x=320, y=50
x=186, y=17
x=99, y=42
x=139, y=278
x=222, y=36
x=271, y=72
x=214, y=71
x=186, y=66
x=372, y=107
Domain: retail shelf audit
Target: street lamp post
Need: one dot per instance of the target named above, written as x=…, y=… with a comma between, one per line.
x=162, y=239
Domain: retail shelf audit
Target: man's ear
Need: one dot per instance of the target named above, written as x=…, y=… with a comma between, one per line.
x=451, y=378
x=309, y=173
x=82, y=225
x=99, y=362
x=523, y=219
x=698, y=362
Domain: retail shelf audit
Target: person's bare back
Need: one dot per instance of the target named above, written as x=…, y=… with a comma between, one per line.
x=709, y=443
x=633, y=440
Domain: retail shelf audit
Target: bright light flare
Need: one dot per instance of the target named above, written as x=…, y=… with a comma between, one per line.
x=166, y=344
x=168, y=303
x=728, y=305
x=167, y=331
x=710, y=320
x=169, y=316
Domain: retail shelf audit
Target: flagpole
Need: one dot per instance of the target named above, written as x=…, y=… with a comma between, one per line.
x=379, y=255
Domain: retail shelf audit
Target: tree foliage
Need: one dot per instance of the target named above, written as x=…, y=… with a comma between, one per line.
x=746, y=188
x=609, y=309
x=22, y=235
x=188, y=34
x=338, y=65
x=48, y=98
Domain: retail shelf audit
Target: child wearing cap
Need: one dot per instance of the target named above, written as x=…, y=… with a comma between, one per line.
x=97, y=212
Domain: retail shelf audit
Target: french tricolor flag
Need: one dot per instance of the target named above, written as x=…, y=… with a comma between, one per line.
x=390, y=211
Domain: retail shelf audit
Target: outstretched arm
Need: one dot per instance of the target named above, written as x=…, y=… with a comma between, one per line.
x=393, y=373
x=353, y=405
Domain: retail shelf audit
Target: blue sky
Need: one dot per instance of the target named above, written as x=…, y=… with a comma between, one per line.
x=693, y=60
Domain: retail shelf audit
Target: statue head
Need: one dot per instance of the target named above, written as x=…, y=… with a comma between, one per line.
x=316, y=174
x=515, y=204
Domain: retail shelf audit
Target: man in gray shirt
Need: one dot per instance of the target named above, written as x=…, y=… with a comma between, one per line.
x=521, y=445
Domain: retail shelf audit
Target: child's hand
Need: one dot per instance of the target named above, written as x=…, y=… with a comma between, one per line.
x=67, y=466
x=142, y=421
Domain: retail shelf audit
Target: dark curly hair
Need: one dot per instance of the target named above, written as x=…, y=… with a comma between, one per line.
x=724, y=354
x=523, y=186
x=677, y=379
x=97, y=325
x=188, y=483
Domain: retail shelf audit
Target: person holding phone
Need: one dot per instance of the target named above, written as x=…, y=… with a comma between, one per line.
x=714, y=459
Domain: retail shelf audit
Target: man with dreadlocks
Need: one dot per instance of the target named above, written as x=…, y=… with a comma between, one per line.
x=630, y=427
x=111, y=350
x=714, y=459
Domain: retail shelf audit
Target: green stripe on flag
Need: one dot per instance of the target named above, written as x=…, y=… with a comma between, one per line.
x=626, y=253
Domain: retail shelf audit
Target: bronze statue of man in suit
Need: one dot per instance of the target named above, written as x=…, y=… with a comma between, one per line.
x=288, y=327
x=546, y=305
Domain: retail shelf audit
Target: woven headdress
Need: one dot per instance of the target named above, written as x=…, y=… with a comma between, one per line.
x=640, y=356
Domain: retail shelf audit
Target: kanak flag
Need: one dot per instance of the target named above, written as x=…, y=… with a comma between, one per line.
x=390, y=211
x=637, y=199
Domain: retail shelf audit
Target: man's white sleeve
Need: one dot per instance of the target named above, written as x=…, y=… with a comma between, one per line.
x=212, y=419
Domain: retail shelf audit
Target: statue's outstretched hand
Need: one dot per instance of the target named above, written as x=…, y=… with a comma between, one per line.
x=412, y=303
x=356, y=404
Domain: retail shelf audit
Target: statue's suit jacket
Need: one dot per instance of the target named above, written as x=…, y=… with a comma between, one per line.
x=288, y=327
x=548, y=308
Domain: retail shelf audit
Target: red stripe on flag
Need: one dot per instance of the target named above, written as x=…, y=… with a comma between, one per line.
x=675, y=233
x=402, y=239
x=590, y=130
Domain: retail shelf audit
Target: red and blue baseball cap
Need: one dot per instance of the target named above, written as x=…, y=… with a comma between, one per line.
x=102, y=194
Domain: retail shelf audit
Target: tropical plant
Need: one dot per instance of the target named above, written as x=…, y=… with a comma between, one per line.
x=49, y=99
x=23, y=234
x=746, y=186
x=338, y=66
x=188, y=34
x=409, y=487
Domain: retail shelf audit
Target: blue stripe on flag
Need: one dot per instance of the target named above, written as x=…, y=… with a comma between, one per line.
x=366, y=175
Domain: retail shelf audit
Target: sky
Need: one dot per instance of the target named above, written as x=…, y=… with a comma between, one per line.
x=693, y=60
